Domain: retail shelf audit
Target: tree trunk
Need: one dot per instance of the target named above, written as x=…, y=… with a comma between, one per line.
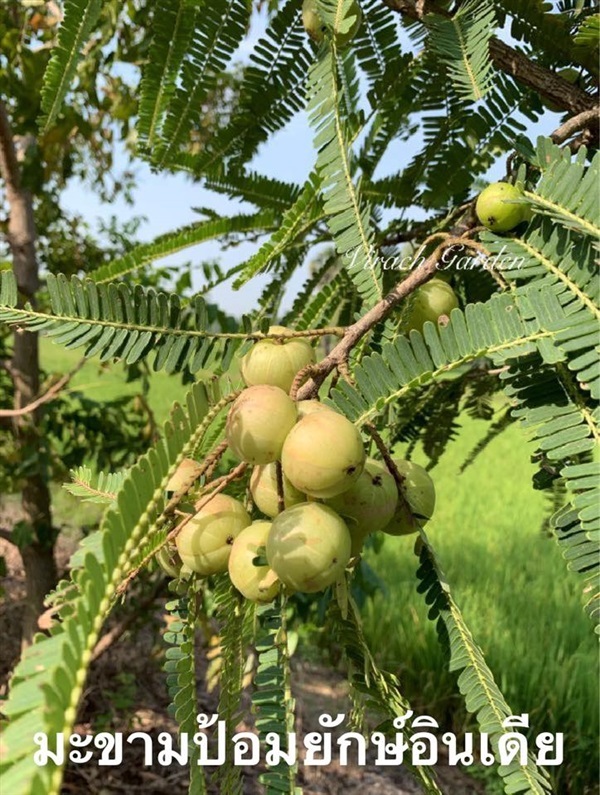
x=38, y=553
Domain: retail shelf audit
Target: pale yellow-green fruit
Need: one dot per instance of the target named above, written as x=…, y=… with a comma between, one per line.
x=316, y=28
x=263, y=487
x=432, y=300
x=168, y=559
x=308, y=547
x=496, y=207
x=369, y=504
x=276, y=362
x=323, y=454
x=419, y=493
x=306, y=407
x=258, y=423
x=184, y=476
x=252, y=581
x=204, y=543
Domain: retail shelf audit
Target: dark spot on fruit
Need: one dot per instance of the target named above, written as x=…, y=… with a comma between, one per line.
x=334, y=560
x=230, y=539
x=351, y=470
x=377, y=480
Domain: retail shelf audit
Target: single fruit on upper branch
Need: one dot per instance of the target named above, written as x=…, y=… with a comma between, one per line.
x=276, y=362
x=323, y=454
x=431, y=301
x=308, y=547
x=256, y=583
x=204, y=543
x=496, y=207
x=184, y=476
x=419, y=500
x=263, y=487
x=258, y=423
x=316, y=28
x=369, y=504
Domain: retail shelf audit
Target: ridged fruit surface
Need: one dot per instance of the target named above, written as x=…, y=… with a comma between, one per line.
x=276, y=362
x=432, y=300
x=369, y=504
x=323, y=455
x=496, y=209
x=248, y=578
x=184, y=475
x=258, y=423
x=263, y=487
x=308, y=547
x=419, y=491
x=204, y=543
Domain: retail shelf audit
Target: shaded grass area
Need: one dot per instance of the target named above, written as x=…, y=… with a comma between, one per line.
x=517, y=597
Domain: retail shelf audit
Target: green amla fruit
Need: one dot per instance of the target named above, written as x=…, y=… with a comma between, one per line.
x=323, y=455
x=263, y=487
x=432, y=300
x=259, y=422
x=256, y=583
x=204, y=543
x=496, y=207
x=184, y=476
x=369, y=504
x=316, y=27
x=168, y=559
x=419, y=493
x=308, y=547
x=276, y=361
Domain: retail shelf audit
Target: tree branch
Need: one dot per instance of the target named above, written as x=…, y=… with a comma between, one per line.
x=546, y=83
x=45, y=398
x=379, y=312
x=589, y=119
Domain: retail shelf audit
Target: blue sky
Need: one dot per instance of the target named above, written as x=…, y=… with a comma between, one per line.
x=166, y=200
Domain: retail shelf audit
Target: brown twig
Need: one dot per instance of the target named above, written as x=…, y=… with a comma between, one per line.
x=280, y=492
x=49, y=395
x=375, y=315
x=547, y=84
x=589, y=119
x=6, y=535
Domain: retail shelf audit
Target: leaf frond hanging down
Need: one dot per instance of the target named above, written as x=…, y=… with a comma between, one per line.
x=378, y=690
x=187, y=236
x=114, y=321
x=580, y=549
x=49, y=681
x=101, y=488
x=272, y=92
x=568, y=190
x=348, y=216
x=475, y=681
x=295, y=223
x=220, y=26
x=172, y=27
x=180, y=668
x=462, y=43
x=272, y=698
x=80, y=17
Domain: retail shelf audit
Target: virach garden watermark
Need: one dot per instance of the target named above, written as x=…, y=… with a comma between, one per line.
x=417, y=743
x=449, y=260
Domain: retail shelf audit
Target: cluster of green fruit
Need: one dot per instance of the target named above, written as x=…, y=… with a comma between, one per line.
x=318, y=493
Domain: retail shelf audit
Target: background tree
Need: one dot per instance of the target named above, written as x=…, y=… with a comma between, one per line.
x=441, y=75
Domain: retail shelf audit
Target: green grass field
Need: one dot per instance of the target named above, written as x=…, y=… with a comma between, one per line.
x=519, y=600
